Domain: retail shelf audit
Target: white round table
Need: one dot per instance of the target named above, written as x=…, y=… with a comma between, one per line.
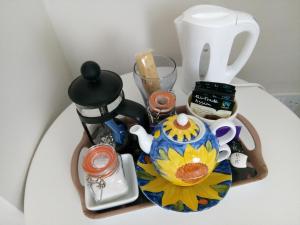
x=51, y=198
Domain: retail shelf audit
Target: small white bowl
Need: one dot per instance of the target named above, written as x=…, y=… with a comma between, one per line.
x=209, y=121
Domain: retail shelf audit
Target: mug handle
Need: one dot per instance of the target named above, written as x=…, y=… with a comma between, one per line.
x=224, y=153
x=226, y=137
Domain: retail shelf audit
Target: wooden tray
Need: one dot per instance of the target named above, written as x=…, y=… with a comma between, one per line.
x=255, y=158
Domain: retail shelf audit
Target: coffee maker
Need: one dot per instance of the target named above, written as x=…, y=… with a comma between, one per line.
x=100, y=102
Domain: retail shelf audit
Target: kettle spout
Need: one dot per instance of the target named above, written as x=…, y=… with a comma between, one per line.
x=178, y=25
x=145, y=139
x=178, y=22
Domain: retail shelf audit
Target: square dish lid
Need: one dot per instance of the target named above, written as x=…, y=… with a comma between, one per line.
x=95, y=87
x=209, y=16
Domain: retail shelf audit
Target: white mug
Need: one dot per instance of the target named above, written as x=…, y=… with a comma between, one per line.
x=224, y=149
x=220, y=123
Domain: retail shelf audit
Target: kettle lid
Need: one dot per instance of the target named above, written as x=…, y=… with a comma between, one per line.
x=210, y=16
x=95, y=87
x=182, y=128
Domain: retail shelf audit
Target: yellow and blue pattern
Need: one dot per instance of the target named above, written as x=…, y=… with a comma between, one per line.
x=170, y=157
x=179, y=198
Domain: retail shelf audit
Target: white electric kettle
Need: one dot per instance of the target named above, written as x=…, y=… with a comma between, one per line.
x=206, y=34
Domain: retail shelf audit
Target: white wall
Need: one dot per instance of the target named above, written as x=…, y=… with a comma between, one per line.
x=33, y=89
x=112, y=31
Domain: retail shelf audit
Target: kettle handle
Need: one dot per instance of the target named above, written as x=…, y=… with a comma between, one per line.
x=244, y=23
x=135, y=111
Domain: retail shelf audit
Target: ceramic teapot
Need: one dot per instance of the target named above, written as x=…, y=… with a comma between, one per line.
x=183, y=149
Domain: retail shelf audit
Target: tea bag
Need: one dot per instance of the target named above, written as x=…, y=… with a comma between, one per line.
x=213, y=100
x=147, y=69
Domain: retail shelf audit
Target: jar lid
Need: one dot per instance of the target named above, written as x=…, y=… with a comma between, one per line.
x=181, y=128
x=95, y=87
x=162, y=101
x=100, y=161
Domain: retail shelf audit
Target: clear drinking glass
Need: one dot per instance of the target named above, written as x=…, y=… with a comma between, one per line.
x=167, y=75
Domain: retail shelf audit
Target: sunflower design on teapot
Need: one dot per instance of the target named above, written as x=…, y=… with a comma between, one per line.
x=182, y=149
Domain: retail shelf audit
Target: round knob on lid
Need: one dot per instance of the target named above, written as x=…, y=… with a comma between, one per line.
x=95, y=87
x=90, y=71
x=182, y=119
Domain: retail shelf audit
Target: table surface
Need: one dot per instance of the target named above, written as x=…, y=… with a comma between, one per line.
x=51, y=198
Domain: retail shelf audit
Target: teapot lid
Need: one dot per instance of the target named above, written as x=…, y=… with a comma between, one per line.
x=182, y=128
x=95, y=87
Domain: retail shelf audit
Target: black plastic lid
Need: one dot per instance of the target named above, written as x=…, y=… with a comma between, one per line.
x=95, y=87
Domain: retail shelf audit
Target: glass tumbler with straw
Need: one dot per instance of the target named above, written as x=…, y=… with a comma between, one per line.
x=152, y=73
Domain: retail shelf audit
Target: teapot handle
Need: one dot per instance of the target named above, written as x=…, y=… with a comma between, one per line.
x=226, y=137
x=224, y=153
x=244, y=23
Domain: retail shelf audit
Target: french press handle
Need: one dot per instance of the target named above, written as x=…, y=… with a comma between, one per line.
x=135, y=111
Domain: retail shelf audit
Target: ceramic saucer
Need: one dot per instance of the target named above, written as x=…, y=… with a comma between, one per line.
x=130, y=175
x=194, y=198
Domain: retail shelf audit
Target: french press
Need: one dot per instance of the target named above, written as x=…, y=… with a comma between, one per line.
x=99, y=100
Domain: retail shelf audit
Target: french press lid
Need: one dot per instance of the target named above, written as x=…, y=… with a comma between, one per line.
x=95, y=87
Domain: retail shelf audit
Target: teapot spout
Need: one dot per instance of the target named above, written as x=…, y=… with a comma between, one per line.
x=145, y=139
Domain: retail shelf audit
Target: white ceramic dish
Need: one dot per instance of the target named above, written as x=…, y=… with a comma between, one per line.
x=130, y=175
